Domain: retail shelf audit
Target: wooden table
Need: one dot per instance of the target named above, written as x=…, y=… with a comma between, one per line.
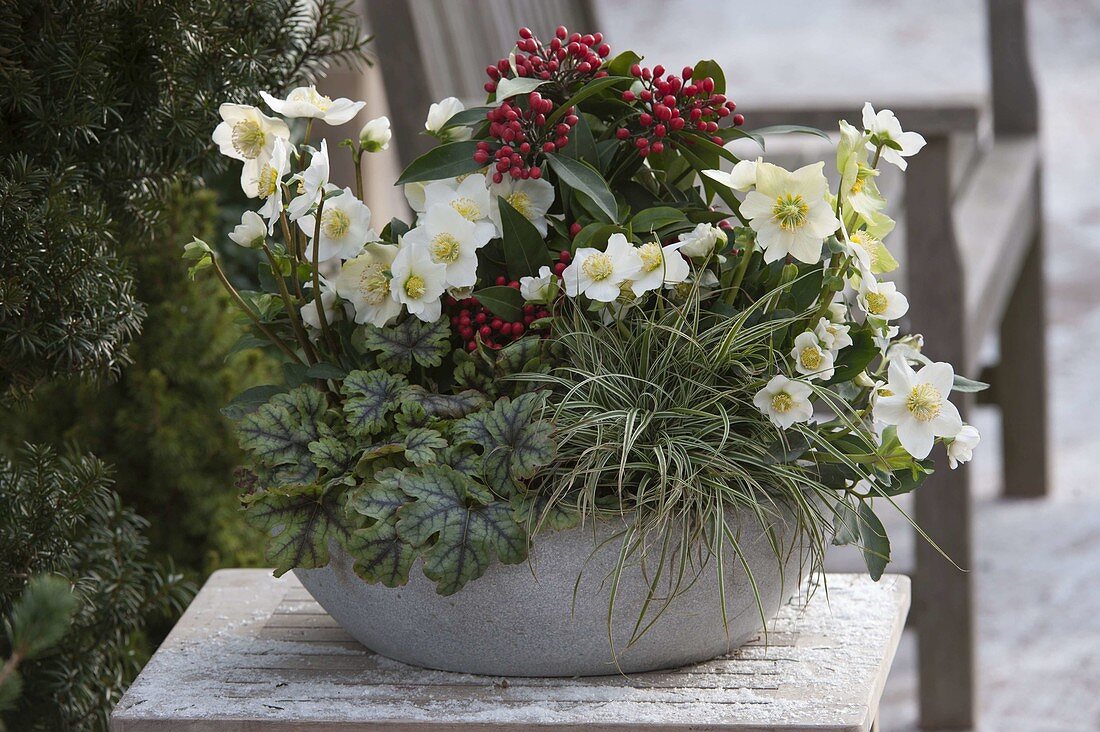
x=253, y=652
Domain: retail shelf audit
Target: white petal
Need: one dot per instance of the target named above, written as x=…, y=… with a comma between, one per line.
x=916, y=437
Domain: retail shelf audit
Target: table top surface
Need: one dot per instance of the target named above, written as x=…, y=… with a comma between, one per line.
x=254, y=652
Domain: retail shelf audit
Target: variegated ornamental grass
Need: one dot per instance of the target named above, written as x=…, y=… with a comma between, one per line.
x=597, y=310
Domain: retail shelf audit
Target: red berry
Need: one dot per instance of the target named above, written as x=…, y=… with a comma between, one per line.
x=481, y=318
x=564, y=255
x=471, y=346
x=738, y=119
x=496, y=323
x=502, y=280
x=574, y=229
x=525, y=32
x=517, y=329
x=559, y=268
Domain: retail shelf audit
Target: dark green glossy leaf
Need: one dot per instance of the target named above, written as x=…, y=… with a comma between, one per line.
x=588, y=90
x=710, y=67
x=655, y=218
x=968, y=385
x=445, y=161
x=325, y=371
x=250, y=400
x=467, y=117
x=789, y=129
x=620, y=65
x=856, y=357
x=524, y=247
x=585, y=180
x=503, y=301
x=872, y=537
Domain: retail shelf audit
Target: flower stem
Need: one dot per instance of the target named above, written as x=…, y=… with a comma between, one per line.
x=317, y=299
x=357, y=158
x=291, y=307
x=271, y=336
x=739, y=274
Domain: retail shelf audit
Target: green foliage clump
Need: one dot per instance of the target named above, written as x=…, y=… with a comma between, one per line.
x=39, y=619
x=158, y=423
x=59, y=515
x=104, y=106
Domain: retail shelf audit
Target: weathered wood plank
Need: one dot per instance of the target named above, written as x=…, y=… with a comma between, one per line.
x=226, y=666
x=942, y=602
x=995, y=221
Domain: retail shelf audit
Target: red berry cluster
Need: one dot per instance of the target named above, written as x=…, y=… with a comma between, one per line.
x=565, y=257
x=522, y=134
x=471, y=319
x=672, y=104
x=566, y=60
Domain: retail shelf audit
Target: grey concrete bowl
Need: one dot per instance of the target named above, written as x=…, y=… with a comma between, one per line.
x=523, y=620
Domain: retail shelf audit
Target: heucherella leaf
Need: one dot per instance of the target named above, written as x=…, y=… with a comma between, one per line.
x=380, y=554
x=411, y=416
x=413, y=340
x=279, y=432
x=372, y=396
x=333, y=454
x=378, y=500
x=458, y=523
x=421, y=444
x=377, y=456
x=299, y=522
x=515, y=439
x=512, y=358
x=460, y=457
x=447, y=406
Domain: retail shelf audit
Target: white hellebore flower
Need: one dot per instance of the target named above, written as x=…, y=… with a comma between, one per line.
x=599, y=275
x=703, y=285
x=881, y=299
x=884, y=126
x=702, y=240
x=832, y=335
x=917, y=403
x=439, y=114
x=251, y=232
x=660, y=266
x=365, y=282
x=414, y=194
x=962, y=446
x=538, y=289
x=306, y=101
x=530, y=197
x=468, y=196
x=450, y=240
x=329, y=300
x=268, y=183
x=313, y=182
x=418, y=282
x=811, y=359
x=790, y=212
x=345, y=228
x=245, y=133
x=785, y=401
x=741, y=178
x=375, y=135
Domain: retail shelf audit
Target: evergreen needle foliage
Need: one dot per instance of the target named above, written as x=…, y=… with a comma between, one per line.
x=59, y=515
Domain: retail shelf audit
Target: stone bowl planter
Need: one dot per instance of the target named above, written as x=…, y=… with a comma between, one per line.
x=524, y=620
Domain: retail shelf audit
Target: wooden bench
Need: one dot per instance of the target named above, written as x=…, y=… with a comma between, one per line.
x=256, y=653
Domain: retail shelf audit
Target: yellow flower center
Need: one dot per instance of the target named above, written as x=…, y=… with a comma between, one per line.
x=876, y=303
x=445, y=248
x=782, y=402
x=467, y=208
x=810, y=358
x=248, y=138
x=374, y=284
x=924, y=402
x=862, y=174
x=885, y=392
x=790, y=212
x=268, y=182
x=415, y=286
x=868, y=244
x=314, y=97
x=653, y=257
x=521, y=202
x=335, y=223
x=598, y=266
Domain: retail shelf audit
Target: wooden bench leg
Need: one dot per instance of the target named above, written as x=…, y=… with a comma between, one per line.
x=1021, y=378
x=941, y=592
